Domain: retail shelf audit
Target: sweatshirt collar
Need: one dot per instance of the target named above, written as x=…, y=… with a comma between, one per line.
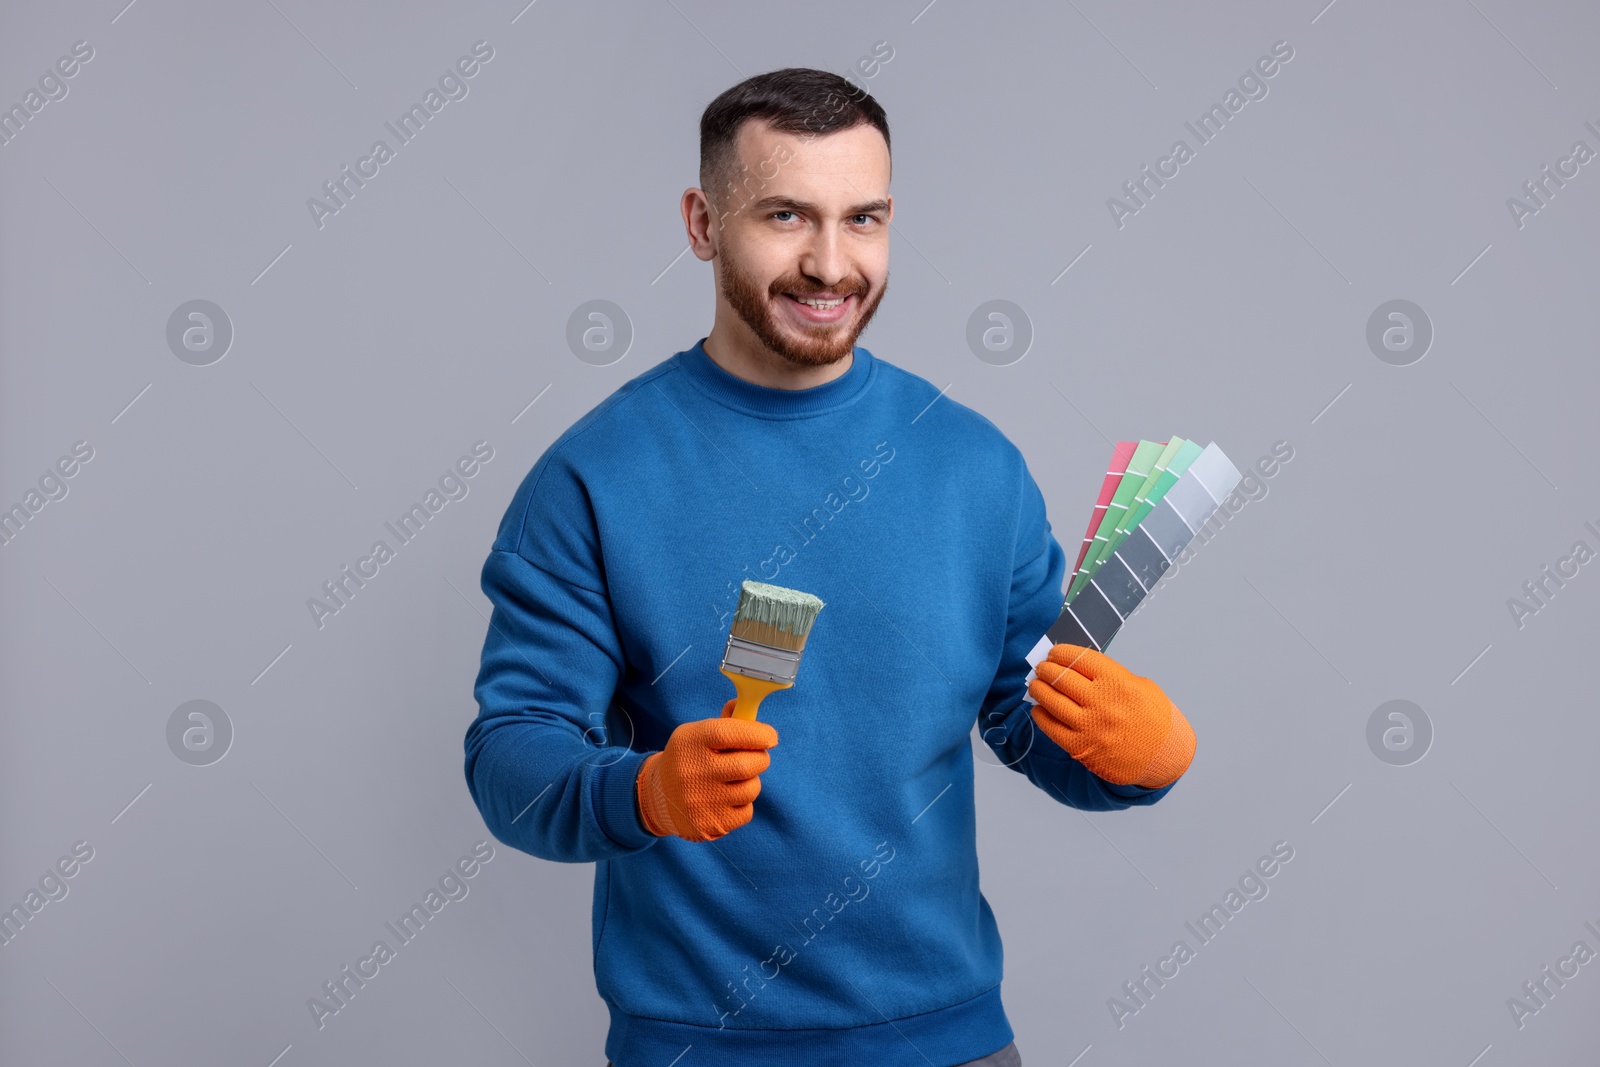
x=765, y=402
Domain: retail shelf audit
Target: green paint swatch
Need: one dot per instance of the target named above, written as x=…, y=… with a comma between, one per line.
x=1169, y=466
x=1188, y=452
x=1141, y=498
x=1139, y=467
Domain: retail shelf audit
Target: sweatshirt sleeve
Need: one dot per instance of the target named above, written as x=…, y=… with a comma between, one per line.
x=1005, y=721
x=538, y=764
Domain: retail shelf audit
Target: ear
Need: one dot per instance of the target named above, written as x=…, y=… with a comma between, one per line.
x=701, y=222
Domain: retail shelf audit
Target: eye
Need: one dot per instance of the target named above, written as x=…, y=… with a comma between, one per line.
x=785, y=211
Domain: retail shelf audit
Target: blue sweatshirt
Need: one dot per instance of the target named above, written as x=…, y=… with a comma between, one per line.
x=843, y=923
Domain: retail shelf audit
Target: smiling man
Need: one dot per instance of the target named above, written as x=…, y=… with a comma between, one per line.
x=818, y=902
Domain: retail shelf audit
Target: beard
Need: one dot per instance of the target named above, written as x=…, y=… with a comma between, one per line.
x=820, y=344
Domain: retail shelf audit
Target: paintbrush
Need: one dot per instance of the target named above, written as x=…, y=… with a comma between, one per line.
x=769, y=632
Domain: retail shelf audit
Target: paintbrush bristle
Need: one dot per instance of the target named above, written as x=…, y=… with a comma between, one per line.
x=773, y=615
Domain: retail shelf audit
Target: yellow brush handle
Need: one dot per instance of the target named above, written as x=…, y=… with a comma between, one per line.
x=752, y=691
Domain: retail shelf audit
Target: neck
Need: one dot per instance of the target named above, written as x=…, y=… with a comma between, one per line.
x=741, y=354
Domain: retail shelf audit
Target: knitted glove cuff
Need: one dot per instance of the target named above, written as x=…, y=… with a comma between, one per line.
x=653, y=808
x=1172, y=758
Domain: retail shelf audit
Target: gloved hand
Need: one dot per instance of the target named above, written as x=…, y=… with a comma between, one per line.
x=704, y=783
x=1116, y=723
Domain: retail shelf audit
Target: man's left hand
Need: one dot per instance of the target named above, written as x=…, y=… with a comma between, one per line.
x=1119, y=725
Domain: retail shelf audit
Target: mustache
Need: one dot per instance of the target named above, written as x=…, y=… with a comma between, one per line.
x=781, y=288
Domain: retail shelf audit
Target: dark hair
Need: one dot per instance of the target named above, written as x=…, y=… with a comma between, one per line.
x=793, y=100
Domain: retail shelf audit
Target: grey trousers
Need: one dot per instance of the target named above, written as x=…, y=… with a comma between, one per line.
x=1006, y=1057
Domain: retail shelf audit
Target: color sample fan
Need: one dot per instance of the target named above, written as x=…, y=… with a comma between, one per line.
x=1155, y=497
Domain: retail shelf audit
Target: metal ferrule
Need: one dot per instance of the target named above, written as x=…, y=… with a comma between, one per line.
x=760, y=661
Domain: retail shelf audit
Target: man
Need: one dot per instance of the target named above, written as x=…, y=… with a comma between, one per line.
x=837, y=918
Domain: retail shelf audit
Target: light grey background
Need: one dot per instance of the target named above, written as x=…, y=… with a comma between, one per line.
x=371, y=353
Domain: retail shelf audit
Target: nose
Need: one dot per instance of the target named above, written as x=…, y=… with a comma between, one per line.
x=824, y=259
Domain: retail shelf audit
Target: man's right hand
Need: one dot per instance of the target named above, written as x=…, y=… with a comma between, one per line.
x=705, y=782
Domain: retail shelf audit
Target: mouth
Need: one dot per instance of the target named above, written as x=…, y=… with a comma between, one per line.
x=812, y=309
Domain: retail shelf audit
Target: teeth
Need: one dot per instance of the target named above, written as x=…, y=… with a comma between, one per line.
x=821, y=305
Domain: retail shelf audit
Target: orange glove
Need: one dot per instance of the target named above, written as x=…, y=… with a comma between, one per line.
x=1119, y=725
x=704, y=783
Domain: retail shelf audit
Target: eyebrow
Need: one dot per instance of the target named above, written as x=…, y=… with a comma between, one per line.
x=775, y=203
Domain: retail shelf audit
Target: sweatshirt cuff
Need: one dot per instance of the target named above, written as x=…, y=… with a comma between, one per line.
x=616, y=806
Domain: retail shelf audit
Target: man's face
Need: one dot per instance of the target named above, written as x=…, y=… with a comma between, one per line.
x=806, y=217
